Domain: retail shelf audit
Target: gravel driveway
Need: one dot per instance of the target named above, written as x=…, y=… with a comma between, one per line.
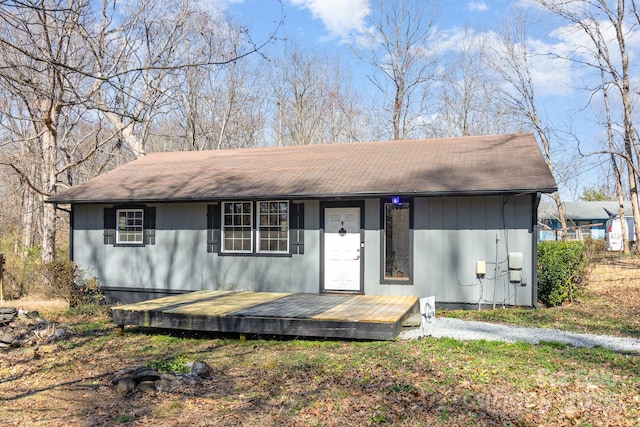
x=470, y=330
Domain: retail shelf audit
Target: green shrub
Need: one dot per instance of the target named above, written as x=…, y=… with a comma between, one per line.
x=177, y=365
x=561, y=269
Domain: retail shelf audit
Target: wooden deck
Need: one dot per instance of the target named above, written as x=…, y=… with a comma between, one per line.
x=270, y=313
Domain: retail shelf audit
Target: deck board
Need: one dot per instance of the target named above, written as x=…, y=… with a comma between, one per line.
x=368, y=308
x=297, y=306
x=317, y=315
x=226, y=304
x=174, y=300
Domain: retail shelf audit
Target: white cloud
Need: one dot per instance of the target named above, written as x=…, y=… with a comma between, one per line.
x=551, y=75
x=477, y=6
x=339, y=17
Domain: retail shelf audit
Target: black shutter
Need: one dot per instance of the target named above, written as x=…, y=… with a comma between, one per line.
x=296, y=230
x=149, y=226
x=213, y=228
x=109, y=226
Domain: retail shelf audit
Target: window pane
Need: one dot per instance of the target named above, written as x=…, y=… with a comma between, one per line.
x=396, y=234
x=272, y=231
x=237, y=227
x=130, y=223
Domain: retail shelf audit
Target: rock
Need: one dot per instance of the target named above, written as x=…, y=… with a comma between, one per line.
x=167, y=381
x=125, y=386
x=147, y=380
x=59, y=334
x=145, y=374
x=7, y=314
x=147, y=386
x=199, y=369
x=7, y=338
x=123, y=373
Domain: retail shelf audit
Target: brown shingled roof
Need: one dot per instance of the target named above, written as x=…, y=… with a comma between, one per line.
x=465, y=165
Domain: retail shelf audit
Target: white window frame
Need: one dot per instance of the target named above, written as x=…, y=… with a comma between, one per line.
x=135, y=226
x=233, y=216
x=273, y=220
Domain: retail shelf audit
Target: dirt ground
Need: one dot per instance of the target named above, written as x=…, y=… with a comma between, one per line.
x=297, y=383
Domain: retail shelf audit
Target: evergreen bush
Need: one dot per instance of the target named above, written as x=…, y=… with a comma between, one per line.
x=561, y=269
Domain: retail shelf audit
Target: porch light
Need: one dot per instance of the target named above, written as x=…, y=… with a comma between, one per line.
x=395, y=200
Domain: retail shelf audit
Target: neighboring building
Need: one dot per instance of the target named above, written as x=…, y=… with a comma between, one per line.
x=584, y=219
x=418, y=217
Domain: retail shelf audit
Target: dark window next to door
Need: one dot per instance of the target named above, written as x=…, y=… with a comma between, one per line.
x=397, y=242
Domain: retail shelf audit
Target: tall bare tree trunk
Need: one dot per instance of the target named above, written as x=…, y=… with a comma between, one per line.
x=614, y=160
x=28, y=208
x=630, y=143
x=49, y=178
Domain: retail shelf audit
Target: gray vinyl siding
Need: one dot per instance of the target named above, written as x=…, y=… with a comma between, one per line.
x=449, y=235
x=179, y=262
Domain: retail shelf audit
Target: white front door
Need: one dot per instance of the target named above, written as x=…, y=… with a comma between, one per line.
x=342, y=249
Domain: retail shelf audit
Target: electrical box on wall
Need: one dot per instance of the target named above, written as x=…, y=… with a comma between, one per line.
x=515, y=267
x=481, y=268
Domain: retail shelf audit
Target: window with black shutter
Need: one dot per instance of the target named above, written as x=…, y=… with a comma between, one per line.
x=130, y=226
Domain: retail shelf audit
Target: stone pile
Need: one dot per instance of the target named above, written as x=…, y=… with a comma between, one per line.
x=144, y=379
x=19, y=328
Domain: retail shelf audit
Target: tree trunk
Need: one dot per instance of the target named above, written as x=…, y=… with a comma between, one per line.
x=614, y=161
x=28, y=209
x=49, y=180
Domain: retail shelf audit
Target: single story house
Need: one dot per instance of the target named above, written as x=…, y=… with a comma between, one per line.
x=453, y=218
x=584, y=218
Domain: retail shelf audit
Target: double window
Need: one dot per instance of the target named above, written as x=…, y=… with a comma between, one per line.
x=271, y=230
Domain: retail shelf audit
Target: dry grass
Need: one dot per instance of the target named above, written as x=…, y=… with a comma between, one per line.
x=43, y=306
x=616, y=281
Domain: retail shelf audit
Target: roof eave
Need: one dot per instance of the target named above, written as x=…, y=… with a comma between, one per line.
x=356, y=195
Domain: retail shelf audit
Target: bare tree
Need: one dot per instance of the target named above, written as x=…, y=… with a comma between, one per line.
x=467, y=90
x=594, y=18
x=400, y=43
x=511, y=60
x=313, y=100
x=614, y=161
x=80, y=74
x=43, y=110
x=216, y=107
